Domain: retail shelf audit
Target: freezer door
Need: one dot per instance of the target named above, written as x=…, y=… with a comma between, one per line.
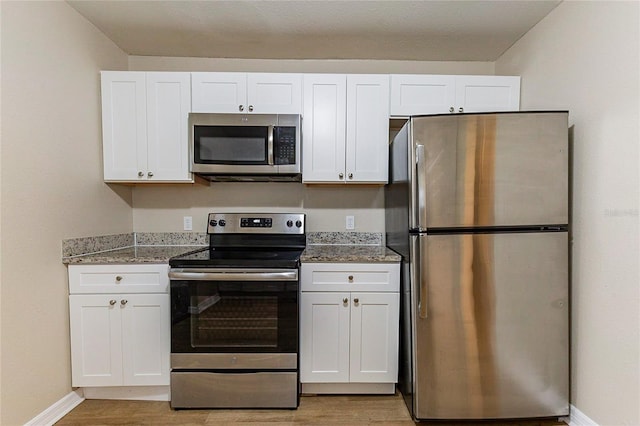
x=491, y=322
x=503, y=169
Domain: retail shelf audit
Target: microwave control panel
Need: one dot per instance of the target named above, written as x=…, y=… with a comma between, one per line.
x=284, y=145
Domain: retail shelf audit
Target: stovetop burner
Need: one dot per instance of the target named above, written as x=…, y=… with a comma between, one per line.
x=229, y=258
x=273, y=240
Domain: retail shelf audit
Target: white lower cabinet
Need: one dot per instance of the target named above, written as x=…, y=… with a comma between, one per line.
x=119, y=338
x=349, y=339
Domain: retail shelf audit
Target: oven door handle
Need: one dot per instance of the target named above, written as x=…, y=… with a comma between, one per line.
x=194, y=274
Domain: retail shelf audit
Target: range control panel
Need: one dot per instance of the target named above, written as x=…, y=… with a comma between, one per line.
x=250, y=223
x=256, y=222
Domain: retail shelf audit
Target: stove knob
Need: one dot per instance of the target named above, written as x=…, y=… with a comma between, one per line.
x=213, y=222
x=299, y=223
x=222, y=222
x=289, y=223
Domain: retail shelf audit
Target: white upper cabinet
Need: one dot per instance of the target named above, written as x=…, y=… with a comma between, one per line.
x=242, y=93
x=441, y=94
x=144, y=126
x=168, y=107
x=324, y=127
x=482, y=93
x=367, y=128
x=422, y=94
x=345, y=128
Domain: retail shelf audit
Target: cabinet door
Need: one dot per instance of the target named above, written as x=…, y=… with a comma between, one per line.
x=219, y=92
x=96, y=343
x=487, y=93
x=367, y=154
x=269, y=93
x=422, y=94
x=124, y=125
x=323, y=127
x=145, y=338
x=374, y=337
x=168, y=106
x=324, y=337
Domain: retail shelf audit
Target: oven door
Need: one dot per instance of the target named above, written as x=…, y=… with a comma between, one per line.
x=234, y=311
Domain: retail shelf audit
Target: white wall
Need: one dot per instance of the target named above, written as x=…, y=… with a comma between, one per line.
x=584, y=57
x=51, y=189
x=163, y=208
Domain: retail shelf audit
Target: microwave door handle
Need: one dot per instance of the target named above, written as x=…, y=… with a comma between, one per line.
x=270, y=145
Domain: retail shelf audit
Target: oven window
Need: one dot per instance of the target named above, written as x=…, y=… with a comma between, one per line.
x=235, y=321
x=234, y=316
x=231, y=145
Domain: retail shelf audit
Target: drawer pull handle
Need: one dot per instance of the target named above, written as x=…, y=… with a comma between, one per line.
x=118, y=278
x=124, y=302
x=356, y=301
x=350, y=277
x=345, y=300
x=112, y=302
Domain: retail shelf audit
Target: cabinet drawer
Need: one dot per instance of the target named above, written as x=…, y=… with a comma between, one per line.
x=86, y=279
x=379, y=277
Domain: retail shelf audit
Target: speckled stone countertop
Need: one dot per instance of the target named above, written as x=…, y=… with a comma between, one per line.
x=338, y=247
x=137, y=247
x=139, y=254
x=349, y=253
x=362, y=247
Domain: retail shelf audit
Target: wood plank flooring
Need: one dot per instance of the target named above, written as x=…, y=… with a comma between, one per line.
x=314, y=410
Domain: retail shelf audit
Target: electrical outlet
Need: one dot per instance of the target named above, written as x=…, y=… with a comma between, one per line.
x=351, y=222
x=188, y=223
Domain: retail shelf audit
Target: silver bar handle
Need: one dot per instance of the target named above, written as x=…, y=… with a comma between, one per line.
x=270, y=145
x=421, y=187
x=233, y=275
x=420, y=285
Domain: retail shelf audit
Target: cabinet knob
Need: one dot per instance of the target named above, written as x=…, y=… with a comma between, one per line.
x=118, y=278
x=150, y=174
x=112, y=302
x=350, y=175
x=350, y=278
x=460, y=109
x=140, y=174
x=241, y=107
x=345, y=300
x=451, y=109
x=124, y=302
x=250, y=108
x=341, y=175
x=356, y=301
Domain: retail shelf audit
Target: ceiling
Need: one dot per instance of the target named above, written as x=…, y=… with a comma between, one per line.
x=425, y=30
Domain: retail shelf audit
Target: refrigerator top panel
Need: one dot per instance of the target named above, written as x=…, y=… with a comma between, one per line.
x=502, y=169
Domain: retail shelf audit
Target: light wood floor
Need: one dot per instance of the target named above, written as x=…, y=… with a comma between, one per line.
x=313, y=410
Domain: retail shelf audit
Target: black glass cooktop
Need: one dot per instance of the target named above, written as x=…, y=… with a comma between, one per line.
x=238, y=257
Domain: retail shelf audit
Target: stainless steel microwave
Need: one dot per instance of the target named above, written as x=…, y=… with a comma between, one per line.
x=253, y=147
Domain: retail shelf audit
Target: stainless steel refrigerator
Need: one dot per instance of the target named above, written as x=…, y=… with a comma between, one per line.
x=478, y=207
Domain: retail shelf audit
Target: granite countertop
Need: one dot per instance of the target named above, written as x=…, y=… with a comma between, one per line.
x=349, y=253
x=138, y=254
x=361, y=247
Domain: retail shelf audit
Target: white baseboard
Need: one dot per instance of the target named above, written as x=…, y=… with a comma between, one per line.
x=578, y=418
x=135, y=393
x=58, y=410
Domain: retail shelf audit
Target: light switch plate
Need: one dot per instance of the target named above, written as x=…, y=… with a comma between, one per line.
x=188, y=223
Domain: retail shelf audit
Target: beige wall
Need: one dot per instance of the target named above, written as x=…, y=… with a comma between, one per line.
x=154, y=63
x=51, y=189
x=163, y=208
x=584, y=57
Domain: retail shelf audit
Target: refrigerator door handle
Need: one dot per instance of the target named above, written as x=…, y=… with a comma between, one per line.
x=421, y=187
x=418, y=264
